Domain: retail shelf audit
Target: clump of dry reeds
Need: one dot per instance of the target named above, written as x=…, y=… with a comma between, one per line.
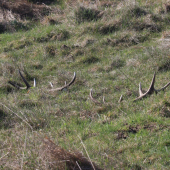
x=60, y=159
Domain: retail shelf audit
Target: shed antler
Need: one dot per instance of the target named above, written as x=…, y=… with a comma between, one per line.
x=65, y=86
x=151, y=89
x=91, y=97
x=18, y=86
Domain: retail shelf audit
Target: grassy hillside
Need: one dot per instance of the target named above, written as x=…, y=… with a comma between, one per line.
x=112, y=47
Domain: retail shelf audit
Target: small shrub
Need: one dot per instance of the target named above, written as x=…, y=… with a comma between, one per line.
x=12, y=26
x=37, y=66
x=156, y=18
x=5, y=120
x=86, y=14
x=50, y=21
x=28, y=104
x=18, y=45
x=164, y=66
x=138, y=19
x=2, y=28
x=50, y=50
x=90, y=60
x=117, y=63
x=18, y=25
x=127, y=39
x=2, y=114
x=140, y=26
x=60, y=36
x=78, y=52
x=135, y=12
x=65, y=50
x=107, y=28
x=63, y=35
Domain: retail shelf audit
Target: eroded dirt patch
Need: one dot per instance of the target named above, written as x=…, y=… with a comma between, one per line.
x=123, y=134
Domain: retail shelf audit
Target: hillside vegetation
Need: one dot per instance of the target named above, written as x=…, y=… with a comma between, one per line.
x=112, y=46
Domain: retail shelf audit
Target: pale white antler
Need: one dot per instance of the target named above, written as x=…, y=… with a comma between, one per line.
x=51, y=84
x=120, y=99
x=91, y=97
x=17, y=85
x=34, y=83
x=66, y=85
x=151, y=89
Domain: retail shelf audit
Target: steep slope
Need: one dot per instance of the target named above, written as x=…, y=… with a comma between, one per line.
x=112, y=47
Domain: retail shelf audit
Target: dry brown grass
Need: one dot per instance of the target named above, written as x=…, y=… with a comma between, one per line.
x=24, y=9
x=61, y=159
x=87, y=14
x=13, y=14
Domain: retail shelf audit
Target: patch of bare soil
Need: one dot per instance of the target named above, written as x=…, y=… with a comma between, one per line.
x=61, y=159
x=151, y=127
x=123, y=134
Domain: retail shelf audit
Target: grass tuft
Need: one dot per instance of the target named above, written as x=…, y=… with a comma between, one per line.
x=83, y=14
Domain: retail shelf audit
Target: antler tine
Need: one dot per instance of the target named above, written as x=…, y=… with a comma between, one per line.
x=24, y=80
x=151, y=89
x=65, y=86
x=163, y=87
x=91, y=97
x=140, y=89
x=14, y=84
x=34, y=83
x=72, y=81
x=120, y=99
x=51, y=84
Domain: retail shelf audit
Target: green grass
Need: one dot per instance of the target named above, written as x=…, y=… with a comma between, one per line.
x=109, y=54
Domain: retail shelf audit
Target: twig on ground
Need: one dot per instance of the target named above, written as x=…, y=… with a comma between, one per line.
x=87, y=153
x=4, y=155
x=120, y=99
x=78, y=165
x=24, y=151
x=17, y=116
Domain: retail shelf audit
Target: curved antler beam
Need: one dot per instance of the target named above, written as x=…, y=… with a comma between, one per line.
x=91, y=97
x=65, y=86
x=24, y=80
x=151, y=89
x=15, y=84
